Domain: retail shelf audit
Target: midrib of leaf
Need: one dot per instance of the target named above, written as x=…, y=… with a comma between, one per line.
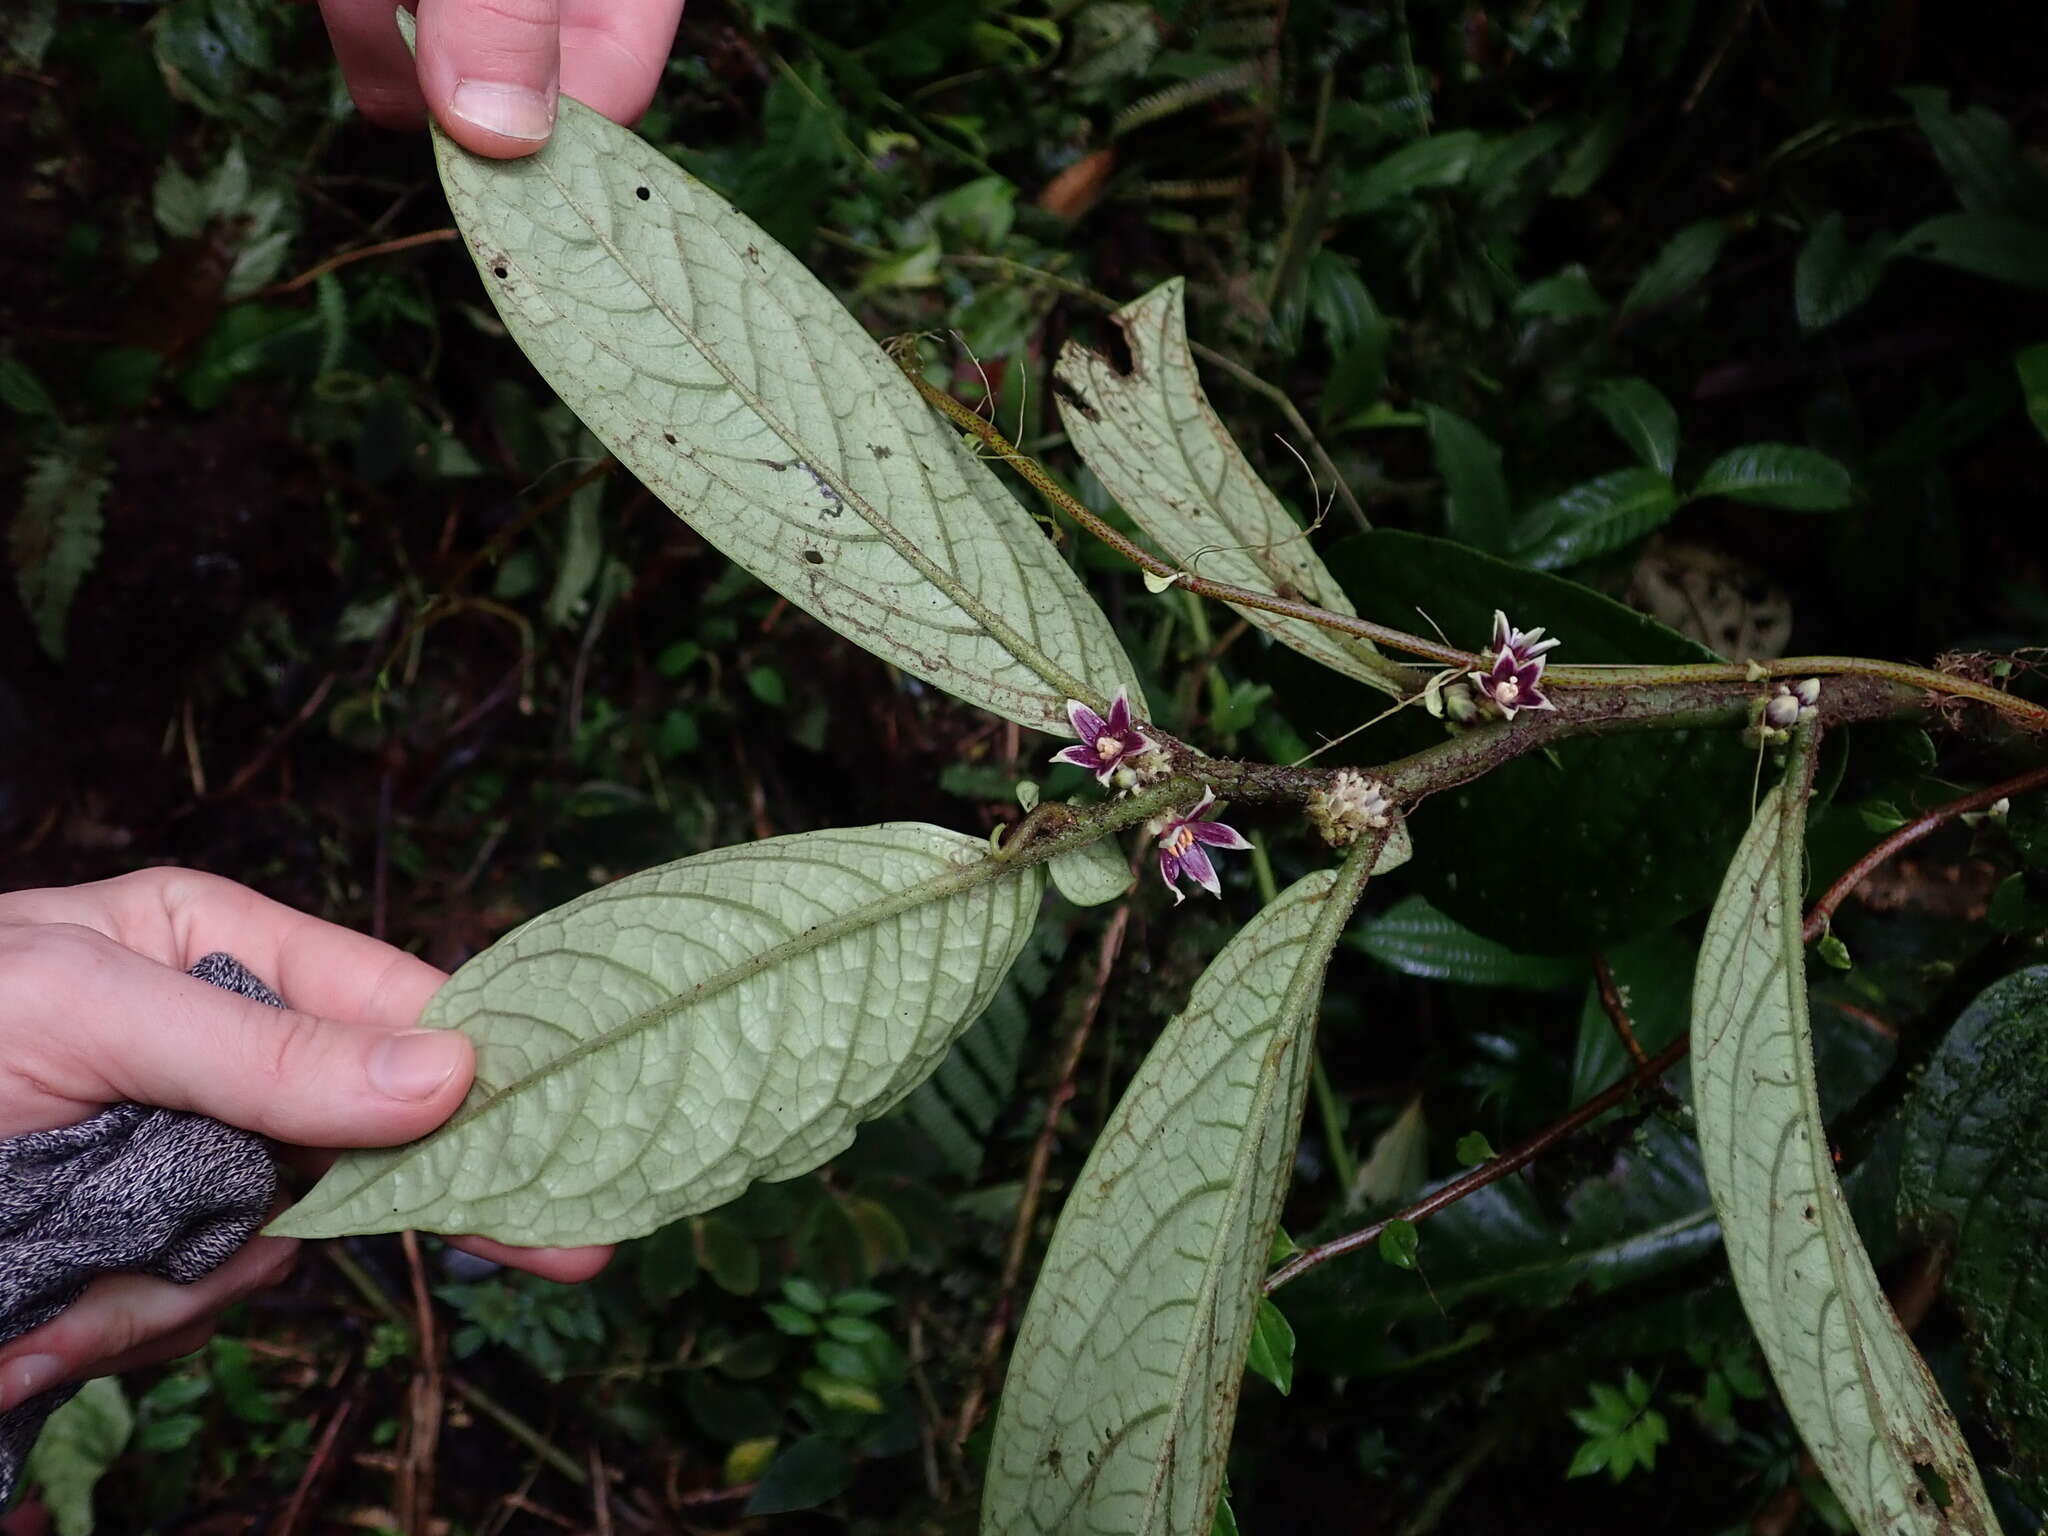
x=1054, y=675
x=938, y=888
x=1777, y=903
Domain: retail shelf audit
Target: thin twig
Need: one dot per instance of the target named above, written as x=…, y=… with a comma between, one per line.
x=1486, y=1173
x=1035, y=1176
x=1823, y=910
x=289, y=729
x=348, y=258
x=423, y=1422
x=316, y=1468
x=1617, y=1012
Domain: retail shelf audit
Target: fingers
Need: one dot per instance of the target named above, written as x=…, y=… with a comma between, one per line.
x=125, y=1321
x=89, y=1021
x=374, y=62
x=491, y=70
x=571, y=1266
x=613, y=53
x=175, y=916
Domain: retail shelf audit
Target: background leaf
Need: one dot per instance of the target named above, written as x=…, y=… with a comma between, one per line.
x=1628, y=834
x=1591, y=519
x=1642, y=418
x=1778, y=475
x=741, y=392
x=2003, y=249
x=1974, y=1177
x=79, y=1443
x=1834, y=275
x=1685, y=260
x=651, y=1048
x=1154, y=442
x=1859, y=1393
x=1478, y=511
x=1415, y=939
x=1124, y=1379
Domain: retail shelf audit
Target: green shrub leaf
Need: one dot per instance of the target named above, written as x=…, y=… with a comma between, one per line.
x=1834, y=275
x=1153, y=440
x=1642, y=418
x=79, y=1443
x=1124, y=1382
x=1778, y=475
x=1680, y=267
x=1592, y=519
x=651, y=1048
x=1412, y=937
x=1974, y=1177
x=1477, y=511
x=741, y=392
x=1857, y=1390
x=2006, y=250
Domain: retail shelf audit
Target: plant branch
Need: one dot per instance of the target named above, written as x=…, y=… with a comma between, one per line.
x=1617, y=1012
x=1823, y=910
x=1486, y=1173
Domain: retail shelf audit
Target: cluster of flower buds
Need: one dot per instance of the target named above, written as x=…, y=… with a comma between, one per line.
x=1772, y=717
x=1513, y=678
x=1348, y=807
x=1113, y=749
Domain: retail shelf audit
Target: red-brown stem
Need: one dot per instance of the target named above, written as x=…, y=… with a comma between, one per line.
x=1617, y=1013
x=1488, y=1172
x=1824, y=909
x=348, y=258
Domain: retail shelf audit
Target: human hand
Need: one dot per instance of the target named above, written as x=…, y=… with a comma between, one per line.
x=489, y=70
x=95, y=1008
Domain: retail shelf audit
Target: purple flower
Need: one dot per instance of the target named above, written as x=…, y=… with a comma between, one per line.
x=1106, y=745
x=1181, y=852
x=1515, y=668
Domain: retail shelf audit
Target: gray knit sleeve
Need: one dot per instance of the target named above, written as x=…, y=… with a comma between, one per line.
x=139, y=1190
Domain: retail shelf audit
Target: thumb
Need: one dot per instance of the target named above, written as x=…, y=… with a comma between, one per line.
x=123, y=1026
x=491, y=71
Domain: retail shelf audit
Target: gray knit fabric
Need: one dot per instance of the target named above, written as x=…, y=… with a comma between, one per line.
x=139, y=1190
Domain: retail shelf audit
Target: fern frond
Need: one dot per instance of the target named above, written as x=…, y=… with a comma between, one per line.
x=55, y=539
x=1178, y=98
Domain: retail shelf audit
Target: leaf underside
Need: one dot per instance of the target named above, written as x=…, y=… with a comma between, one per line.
x=1123, y=1386
x=741, y=392
x=1157, y=445
x=1855, y=1387
x=651, y=1048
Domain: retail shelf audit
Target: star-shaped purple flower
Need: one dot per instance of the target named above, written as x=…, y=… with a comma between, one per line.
x=1106, y=745
x=1181, y=852
x=1512, y=679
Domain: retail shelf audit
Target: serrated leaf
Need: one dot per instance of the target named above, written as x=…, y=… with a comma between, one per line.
x=1834, y=275
x=55, y=537
x=1152, y=438
x=1678, y=268
x=1857, y=1391
x=80, y=1442
x=1414, y=938
x=1594, y=518
x=1124, y=1381
x=1778, y=475
x=1477, y=509
x=741, y=392
x=1973, y=1176
x=1642, y=418
x=652, y=1048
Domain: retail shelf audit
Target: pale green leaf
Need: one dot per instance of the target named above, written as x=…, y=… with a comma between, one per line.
x=741, y=392
x=1857, y=1391
x=1398, y=1163
x=1152, y=438
x=651, y=1048
x=54, y=541
x=79, y=1443
x=1124, y=1382
x=1642, y=418
x=1092, y=874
